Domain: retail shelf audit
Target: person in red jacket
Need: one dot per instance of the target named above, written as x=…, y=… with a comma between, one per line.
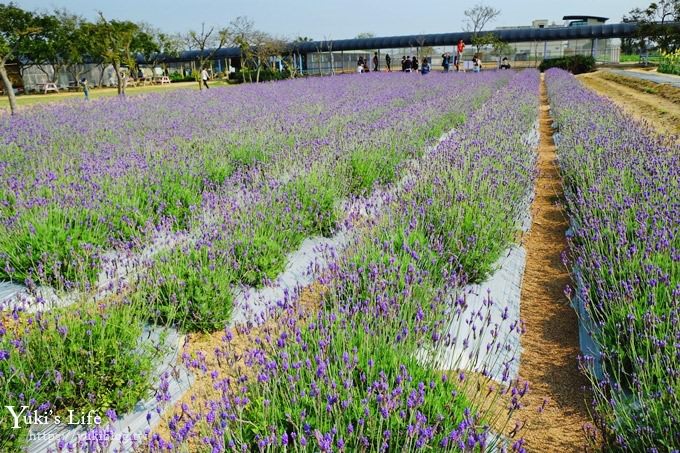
x=459, y=53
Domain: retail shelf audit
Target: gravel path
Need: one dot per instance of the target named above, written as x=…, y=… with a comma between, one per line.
x=550, y=344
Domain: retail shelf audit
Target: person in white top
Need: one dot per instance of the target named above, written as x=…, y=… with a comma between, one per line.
x=205, y=77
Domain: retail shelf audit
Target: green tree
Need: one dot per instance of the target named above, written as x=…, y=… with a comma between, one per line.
x=247, y=38
x=117, y=43
x=144, y=43
x=498, y=46
x=257, y=47
x=17, y=28
x=421, y=49
x=656, y=25
x=64, y=44
x=501, y=49
x=293, y=53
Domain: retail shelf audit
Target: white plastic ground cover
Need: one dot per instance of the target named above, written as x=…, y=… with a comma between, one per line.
x=494, y=310
x=494, y=305
x=9, y=290
x=119, y=268
x=302, y=268
x=251, y=304
x=128, y=431
x=586, y=327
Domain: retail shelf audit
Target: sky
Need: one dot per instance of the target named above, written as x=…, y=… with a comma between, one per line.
x=333, y=19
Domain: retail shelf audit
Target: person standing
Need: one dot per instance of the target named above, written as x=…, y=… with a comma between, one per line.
x=459, y=53
x=408, y=63
x=388, y=60
x=86, y=88
x=445, y=61
x=375, y=62
x=414, y=64
x=204, y=77
x=403, y=64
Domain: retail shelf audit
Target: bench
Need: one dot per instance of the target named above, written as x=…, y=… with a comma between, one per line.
x=45, y=87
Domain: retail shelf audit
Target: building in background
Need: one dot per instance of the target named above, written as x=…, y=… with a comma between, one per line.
x=528, y=45
x=603, y=50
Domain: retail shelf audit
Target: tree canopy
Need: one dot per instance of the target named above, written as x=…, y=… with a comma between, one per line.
x=654, y=29
x=19, y=29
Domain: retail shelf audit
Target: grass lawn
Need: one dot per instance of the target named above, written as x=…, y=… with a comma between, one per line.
x=627, y=58
x=31, y=99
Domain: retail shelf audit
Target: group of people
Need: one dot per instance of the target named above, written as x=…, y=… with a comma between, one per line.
x=446, y=57
x=362, y=64
x=409, y=64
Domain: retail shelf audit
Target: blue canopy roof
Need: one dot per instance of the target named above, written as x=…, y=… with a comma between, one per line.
x=599, y=31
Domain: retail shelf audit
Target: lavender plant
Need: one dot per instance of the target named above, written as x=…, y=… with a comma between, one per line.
x=115, y=165
x=623, y=198
x=244, y=187
x=268, y=219
x=355, y=374
x=92, y=358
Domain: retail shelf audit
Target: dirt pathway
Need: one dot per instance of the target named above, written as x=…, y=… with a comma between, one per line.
x=550, y=345
x=662, y=114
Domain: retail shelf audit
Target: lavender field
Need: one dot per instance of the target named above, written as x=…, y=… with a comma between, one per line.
x=301, y=266
x=623, y=193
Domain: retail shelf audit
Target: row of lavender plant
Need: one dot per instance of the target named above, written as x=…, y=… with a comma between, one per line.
x=48, y=360
x=622, y=185
x=245, y=240
x=84, y=186
x=354, y=374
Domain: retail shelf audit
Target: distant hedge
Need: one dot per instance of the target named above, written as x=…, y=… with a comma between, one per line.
x=266, y=75
x=576, y=64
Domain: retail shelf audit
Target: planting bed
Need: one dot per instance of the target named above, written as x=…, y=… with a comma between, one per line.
x=169, y=210
x=343, y=370
x=623, y=197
